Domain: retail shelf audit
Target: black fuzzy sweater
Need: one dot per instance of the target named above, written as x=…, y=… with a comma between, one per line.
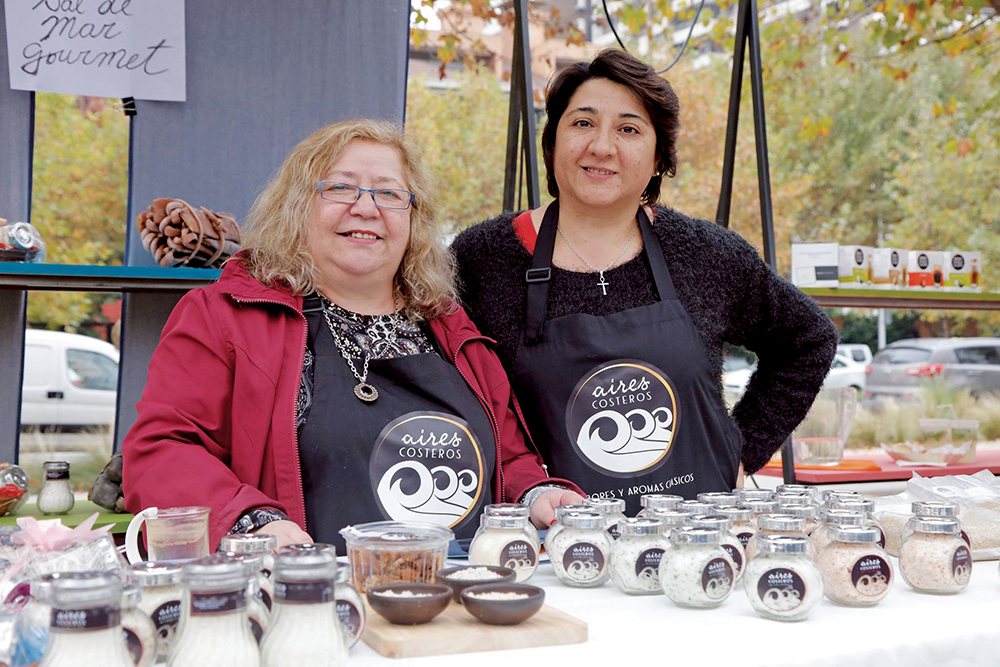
x=731, y=295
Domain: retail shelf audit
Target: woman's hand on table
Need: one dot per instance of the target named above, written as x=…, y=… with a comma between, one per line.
x=286, y=533
x=543, y=510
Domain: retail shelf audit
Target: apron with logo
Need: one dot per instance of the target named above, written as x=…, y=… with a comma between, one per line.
x=423, y=451
x=623, y=404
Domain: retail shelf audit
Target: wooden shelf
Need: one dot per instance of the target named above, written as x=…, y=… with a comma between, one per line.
x=903, y=299
x=79, y=278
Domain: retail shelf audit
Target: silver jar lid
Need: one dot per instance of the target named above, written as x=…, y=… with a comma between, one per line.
x=606, y=505
x=696, y=536
x=131, y=596
x=855, y=534
x=696, y=507
x=253, y=563
x=584, y=520
x=506, y=509
x=760, y=506
x=936, y=524
x=507, y=522
x=782, y=544
x=753, y=495
x=719, y=498
x=249, y=543
x=807, y=512
x=736, y=514
x=305, y=566
x=833, y=494
x=215, y=572
x=843, y=518
x=794, y=488
x=85, y=590
x=640, y=525
x=660, y=501
x=154, y=573
x=670, y=518
x=793, y=499
x=310, y=548
x=860, y=505
x=563, y=510
x=56, y=466
x=717, y=521
x=785, y=523
x=934, y=508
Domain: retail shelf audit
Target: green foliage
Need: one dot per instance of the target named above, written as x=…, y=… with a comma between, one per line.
x=862, y=327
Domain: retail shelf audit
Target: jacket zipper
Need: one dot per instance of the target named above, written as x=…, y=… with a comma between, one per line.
x=489, y=411
x=295, y=430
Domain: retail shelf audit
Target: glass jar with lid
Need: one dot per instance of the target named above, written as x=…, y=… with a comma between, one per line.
x=613, y=510
x=560, y=512
x=816, y=494
x=513, y=510
x=727, y=539
x=934, y=558
x=941, y=509
x=753, y=495
x=758, y=507
x=793, y=499
x=719, y=498
x=505, y=540
x=260, y=544
x=777, y=524
x=305, y=629
x=742, y=526
x=258, y=613
x=350, y=606
x=581, y=551
x=831, y=495
x=161, y=600
x=833, y=518
x=696, y=507
x=783, y=582
x=137, y=627
x=86, y=628
x=696, y=571
x=636, y=554
x=658, y=501
x=214, y=629
x=861, y=505
x=808, y=512
x=671, y=519
x=56, y=495
x=856, y=570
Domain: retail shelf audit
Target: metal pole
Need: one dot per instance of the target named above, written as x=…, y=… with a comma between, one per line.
x=522, y=110
x=760, y=136
x=510, y=185
x=732, y=125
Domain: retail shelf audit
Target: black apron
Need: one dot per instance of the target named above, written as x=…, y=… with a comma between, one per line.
x=423, y=451
x=623, y=404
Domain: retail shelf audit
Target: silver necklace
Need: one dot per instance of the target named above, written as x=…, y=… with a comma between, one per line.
x=363, y=389
x=602, y=282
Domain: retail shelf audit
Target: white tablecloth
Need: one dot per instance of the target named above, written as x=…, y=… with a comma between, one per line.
x=906, y=629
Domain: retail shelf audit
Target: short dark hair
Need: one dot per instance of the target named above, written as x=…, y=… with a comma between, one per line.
x=652, y=90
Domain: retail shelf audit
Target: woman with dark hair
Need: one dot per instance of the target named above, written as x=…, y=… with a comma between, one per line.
x=611, y=313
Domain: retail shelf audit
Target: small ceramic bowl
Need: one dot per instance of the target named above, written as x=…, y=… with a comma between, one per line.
x=507, y=576
x=426, y=602
x=503, y=612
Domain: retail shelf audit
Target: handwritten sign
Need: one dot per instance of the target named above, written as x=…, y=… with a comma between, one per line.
x=104, y=48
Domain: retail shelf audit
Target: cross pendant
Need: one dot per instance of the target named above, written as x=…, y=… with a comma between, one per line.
x=603, y=284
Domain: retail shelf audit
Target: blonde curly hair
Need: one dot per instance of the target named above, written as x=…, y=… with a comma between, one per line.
x=276, y=234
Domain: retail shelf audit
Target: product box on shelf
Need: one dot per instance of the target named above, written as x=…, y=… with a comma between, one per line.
x=814, y=264
x=855, y=267
x=925, y=268
x=888, y=268
x=963, y=271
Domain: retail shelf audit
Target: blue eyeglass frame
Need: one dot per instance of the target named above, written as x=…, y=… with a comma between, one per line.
x=319, y=186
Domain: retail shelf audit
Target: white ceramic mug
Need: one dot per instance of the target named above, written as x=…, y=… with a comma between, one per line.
x=172, y=534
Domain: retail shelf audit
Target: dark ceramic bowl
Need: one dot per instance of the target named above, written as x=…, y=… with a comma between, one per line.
x=507, y=576
x=428, y=601
x=503, y=612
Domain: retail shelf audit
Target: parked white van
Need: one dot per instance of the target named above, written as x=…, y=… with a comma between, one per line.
x=69, y=380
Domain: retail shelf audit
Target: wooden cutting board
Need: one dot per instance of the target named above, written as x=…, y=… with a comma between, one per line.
x=457, y=631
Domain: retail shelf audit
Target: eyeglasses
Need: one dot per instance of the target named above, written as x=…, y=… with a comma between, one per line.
x=345, y=193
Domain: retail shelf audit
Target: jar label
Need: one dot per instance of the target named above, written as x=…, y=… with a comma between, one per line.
x=717, y=578
x=303, y=591
x=53, y=475
x=165, y=619
x=961, y=565
x=264, y=597
x=613, y=531
x=871, y=575
x=781, y=589
x=647, y=565
x=744, y=537
x=734, y=553
x=208, y=604
x=350, y=618
x=256, y=629
x=583, y=562
x=518, y=555
x=881, y=537
x=965, y=536
x=134, y=644
x=100, y=618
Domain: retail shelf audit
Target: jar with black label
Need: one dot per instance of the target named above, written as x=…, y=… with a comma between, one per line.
x=696, y=571
x=213, y=628
x=513, y=510
x=581, y=552
x=830, y=519
x=808, y=512
x=350, y=607
x=719, y=498
x=613, y=510
x=56, y=496
x=783, y=582
x=753, y=495
x=727, y=540
x=258, y=613
x=856, y=570
x=259, y=544
x=506, y=541
x=941, y=509
x=742, y=527
x=86, y=628
x=758, y=507
x=934, y=558
x=137, y=627
x=658, y=501
x=636, y=555
x=305, y=628
x=161, y=600
x=861, y=505
x=777, y=524
x=560, y=512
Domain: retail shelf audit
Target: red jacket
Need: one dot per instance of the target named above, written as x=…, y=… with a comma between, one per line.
x=216, y=423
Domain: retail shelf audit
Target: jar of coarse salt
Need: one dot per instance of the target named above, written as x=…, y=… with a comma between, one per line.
x=658, y=501
x=581, y=552
x=694, y=507
x=613, y=510
x=758, y=507
x=861, y=505
x=776, y=524
x=350, y=607
x=636, y=555
x=56, y=495
x=137, y=627
x=696, y=571
x=856, y=570
x=742, y=526
x=793, y=499
x=505, y=540
x=513, y=510
x=258, y=614
x=816, y=494
x=783, y=582
x=808, y=512
x=934, y=558
x=257, y=544
x=560, y=512
x=671, y=519
x=161, y=600
x=85, y=628
x=833, y=518
x=727, y=539
x=719, y=498
x=925, y=508
x=830, y=496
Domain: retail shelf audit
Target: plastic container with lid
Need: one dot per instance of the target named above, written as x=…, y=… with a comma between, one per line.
x=350, y=607
x=856, y=570
x=783, y=582
x=934, y=558
x=742, y=527
x=561, y=511
x=808, y=512
x=753, y=495
x=505, y=540
x=391, y=552
x=56, y=495
x=759, y=507
x=727, y=539
x=86, y=628
x=861, y=505
x=161, y=600
x=613, y=510
x=636, y=555
x=658, y=501
x=830, y=519
x=696, y=571
x=942, y=509
x=305, y=629
x=777, y=524
x=581, y=553
x=719, y=498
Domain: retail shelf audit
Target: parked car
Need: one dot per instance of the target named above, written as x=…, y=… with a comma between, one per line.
x=855, y=352
x=899, y=369
x=843, y=373
x=70, y=381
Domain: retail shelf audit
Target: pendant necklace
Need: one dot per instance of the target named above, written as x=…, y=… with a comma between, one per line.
x=602, y=283
x=363, y=390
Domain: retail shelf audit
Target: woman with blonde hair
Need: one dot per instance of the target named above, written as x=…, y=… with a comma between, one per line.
x=329, y=377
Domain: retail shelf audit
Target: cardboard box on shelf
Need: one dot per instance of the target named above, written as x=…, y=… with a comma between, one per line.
x=855, y=266
x=963, y=272
x=815, y=264
x=889, y=268
x=925, y=269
